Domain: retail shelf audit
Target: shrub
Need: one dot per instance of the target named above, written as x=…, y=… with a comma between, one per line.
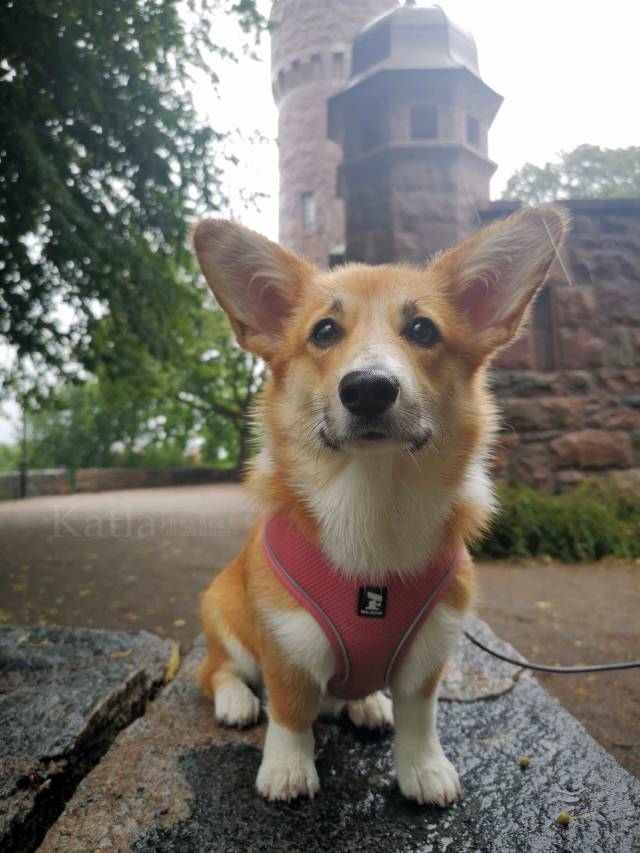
x=594, y=520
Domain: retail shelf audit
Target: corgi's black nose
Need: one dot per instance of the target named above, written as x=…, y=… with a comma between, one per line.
x=368, y=392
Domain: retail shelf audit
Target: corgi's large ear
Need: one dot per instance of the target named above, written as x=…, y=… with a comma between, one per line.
x=255, y=281
x=494, y=276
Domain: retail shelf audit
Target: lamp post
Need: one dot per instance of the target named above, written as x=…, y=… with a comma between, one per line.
x=24, y=464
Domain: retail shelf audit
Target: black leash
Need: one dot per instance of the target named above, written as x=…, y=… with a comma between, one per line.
x=540, y=667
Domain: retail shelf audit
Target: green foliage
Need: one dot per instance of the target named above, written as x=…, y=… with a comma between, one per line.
x=104, y=165
x=145, y=412
x=77, y=429
x=586, y=172
x=9, y=457
x=209, y=381
x=102, y=157
x=594, y=520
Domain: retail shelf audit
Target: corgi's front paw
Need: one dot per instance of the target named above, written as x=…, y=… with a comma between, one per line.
x=287, y=778
x=434, y=780
x=372, y=712
x=236, y=705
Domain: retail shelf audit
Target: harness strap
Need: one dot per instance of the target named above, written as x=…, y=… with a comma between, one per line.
x=370, y=628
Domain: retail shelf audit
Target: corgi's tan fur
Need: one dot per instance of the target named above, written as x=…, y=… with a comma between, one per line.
x=381, y=501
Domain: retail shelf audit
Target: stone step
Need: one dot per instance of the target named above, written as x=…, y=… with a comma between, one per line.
x=64, y=696
x=175, y=781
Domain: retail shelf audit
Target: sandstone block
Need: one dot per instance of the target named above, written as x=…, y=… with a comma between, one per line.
x=620, y=381
x=530, y=464
x=613, y=415
x=518, y=356
x=542, y=413
x=620, y=349
x=574, y=306
x=619, y=298
x=577, y=349
x=502, y=451
x=567, y=480
x=592, y=450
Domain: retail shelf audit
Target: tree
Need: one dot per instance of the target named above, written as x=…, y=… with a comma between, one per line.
x=586, y=172
x=103, y=163
x=209, y=377
x=9, y=457
x=153, y=417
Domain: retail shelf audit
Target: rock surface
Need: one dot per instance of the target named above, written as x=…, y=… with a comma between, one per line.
x=174, y=781
x=64, y=695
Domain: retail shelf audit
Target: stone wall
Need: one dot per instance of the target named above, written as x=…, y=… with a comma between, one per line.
x=110, y=479
x=569, y=388
x=48, y=481
x=60, y=481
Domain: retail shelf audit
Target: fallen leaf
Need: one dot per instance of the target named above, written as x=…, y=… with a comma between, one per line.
x=120, y=655
x=179, y=623
x=174, y=664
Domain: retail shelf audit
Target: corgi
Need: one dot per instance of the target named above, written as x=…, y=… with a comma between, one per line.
x=376, y=431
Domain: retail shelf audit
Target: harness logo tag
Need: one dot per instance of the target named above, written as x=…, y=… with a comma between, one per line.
x=372, y=601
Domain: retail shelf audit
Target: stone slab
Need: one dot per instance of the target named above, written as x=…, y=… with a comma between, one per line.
x=64, y=695
x=174, y=781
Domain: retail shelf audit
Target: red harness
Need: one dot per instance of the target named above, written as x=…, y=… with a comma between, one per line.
x=370, y=628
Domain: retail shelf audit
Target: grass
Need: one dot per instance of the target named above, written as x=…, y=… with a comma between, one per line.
x=594, y=520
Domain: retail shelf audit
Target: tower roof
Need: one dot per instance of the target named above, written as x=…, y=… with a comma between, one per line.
x=413, y=37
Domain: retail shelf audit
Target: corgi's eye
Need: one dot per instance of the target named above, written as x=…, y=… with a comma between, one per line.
x=422, y=331
x=326, y=332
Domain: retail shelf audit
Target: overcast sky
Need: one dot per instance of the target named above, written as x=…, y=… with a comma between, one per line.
x=569, y=72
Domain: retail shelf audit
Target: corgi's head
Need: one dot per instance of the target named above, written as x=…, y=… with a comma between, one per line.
x=371, y=360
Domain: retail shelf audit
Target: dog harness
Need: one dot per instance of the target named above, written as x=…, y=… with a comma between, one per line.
x=370, y=628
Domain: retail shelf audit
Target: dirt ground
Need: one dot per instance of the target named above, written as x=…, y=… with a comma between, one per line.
x=140, y=559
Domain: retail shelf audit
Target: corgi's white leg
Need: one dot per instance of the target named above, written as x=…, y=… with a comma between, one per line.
x=288, y=769
x=424, y=772
x=372, y=712
x=235, y=704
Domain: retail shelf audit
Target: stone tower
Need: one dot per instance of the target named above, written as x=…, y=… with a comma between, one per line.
x=310, y=61
x=413, y=122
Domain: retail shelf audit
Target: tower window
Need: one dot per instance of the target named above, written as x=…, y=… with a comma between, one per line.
x=337, y=256
x=316, y=66
x=308, y=213
x=424, y=122
x=338, y=64
x=473, y=131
